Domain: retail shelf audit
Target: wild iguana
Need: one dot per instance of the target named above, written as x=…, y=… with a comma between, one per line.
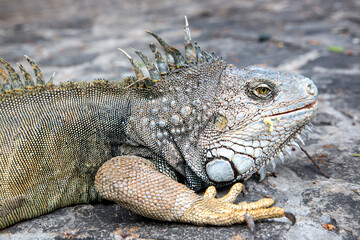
x=148, y=143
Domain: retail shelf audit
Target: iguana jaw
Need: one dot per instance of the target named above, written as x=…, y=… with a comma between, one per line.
x=224, y=167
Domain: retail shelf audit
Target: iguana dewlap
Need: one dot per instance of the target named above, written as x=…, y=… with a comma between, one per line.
x=148, y=143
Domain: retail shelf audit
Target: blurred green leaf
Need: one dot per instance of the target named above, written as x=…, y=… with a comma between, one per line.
x=336, y=49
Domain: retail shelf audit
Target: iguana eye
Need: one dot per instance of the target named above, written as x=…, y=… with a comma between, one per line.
x=262, y=90
x=220, y=122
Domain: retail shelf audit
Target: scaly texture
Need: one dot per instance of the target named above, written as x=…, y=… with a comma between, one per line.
x=195, y=122
x=135, y=183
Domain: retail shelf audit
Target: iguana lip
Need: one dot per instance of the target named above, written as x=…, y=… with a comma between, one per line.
x=308, y=106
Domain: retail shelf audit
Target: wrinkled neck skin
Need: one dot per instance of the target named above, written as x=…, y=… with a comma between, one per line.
x=216, y=124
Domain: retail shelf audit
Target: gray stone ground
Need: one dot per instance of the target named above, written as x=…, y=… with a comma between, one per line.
x=79, y=41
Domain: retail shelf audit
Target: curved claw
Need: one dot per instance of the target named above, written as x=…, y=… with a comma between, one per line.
x=249, y=222
x=291, y=217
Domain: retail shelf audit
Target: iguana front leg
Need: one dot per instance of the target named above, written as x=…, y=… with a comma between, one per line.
x=134, y=183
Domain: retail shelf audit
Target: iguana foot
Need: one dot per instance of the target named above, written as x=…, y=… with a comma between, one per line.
x=222, y=211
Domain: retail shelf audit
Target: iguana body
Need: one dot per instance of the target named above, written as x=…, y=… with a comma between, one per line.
x=196, y=121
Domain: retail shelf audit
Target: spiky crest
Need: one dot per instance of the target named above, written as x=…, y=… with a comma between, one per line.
x=174, y=60
x=12, y=85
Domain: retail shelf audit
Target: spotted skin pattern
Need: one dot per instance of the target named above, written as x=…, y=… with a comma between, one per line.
x=148, y=143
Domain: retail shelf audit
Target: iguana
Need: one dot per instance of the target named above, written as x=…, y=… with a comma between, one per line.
x=148, y=143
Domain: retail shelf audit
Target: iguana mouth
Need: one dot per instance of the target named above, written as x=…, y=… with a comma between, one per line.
x=308, y=106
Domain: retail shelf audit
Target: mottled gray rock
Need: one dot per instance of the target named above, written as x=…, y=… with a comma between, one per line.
x=79, y=40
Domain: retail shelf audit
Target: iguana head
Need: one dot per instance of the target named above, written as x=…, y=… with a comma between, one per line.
x=214, y=123
x=259, y=113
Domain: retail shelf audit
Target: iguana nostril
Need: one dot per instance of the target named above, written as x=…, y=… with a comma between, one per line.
x=219, y=171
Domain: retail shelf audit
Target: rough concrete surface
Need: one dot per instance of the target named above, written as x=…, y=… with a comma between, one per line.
x=318, y=38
